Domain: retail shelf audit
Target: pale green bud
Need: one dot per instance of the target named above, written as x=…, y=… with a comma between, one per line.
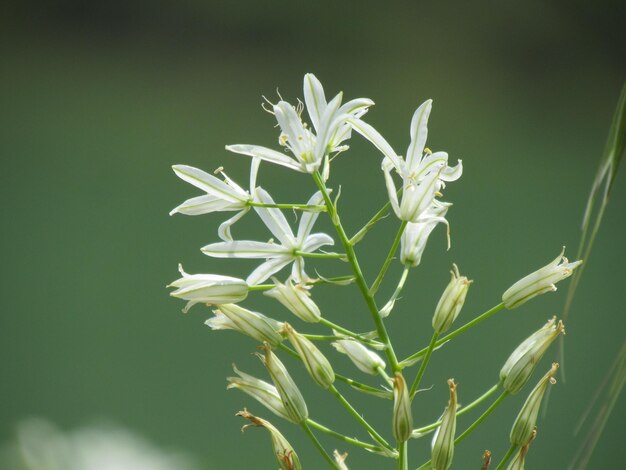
x=286, y=456
x=518, y=462
x=366, y=360
x=297, y=299
x=209, y=289
x=260, y=390
x=402, y=419
x=315, y=362
x=527, y=418
x=443, y=441
x=451, y=301
x=291, y=397
x=521, y=363
x=539, y=282
x=253, y=324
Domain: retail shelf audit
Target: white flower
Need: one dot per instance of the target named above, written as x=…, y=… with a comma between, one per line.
x=220, y=195
x=423, y=173
x=308, y=149
x=210, y=289
x=415, y=235
x=539, y=282
x=254, y=324
x=277, y=255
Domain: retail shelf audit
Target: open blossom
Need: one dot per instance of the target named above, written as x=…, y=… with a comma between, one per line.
x=309, y=149
x=539, y=282
x=277, y=255
x=210, y=289
x=423, y=173
x=220, y=195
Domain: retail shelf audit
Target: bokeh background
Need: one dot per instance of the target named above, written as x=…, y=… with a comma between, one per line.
x=99, y=99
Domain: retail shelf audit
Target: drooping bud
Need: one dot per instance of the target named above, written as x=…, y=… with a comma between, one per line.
x=521, y=363
x=527, y=418
x=539, y=282
x=402, y=420
x=286, y=456
x=518, y=462
x=292, y=399
x=451, y=301
x=366, y=360
x=415, y=235
x=443, y=440
x=253, y=324
x=260, y=390
x=297, y=299
x=210, y=289
x=315, y=362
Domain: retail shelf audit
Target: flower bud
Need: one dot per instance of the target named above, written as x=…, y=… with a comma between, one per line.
x=527, y=418
x=366, y=360
x=286, y=456
x=289, y=394
x=521, y=363
x=260, y=390
x=415, y=235
x=518, y=462
x=297, y=299
x=443, y=441
x=253, y=324
x=539, y=282
x=451, y=301
x=402, y=420
x=316, y=364
x=210, y=289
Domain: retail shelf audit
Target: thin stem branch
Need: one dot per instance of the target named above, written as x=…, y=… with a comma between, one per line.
x=330, y=280
x=422, y=369
x=420, y=431
x=349, y=440
x=457, y=332
x=302, y=207
x=306, y=254
x=364, y=388
x=403, y=459
x=360, y=419
x=317, y=444
x=386, y=310
x=352, y=334
x=506, y=457
x=360, y=280
x=368, y=226
x=390, y=255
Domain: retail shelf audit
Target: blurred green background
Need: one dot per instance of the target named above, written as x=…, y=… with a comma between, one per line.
x=99, y=99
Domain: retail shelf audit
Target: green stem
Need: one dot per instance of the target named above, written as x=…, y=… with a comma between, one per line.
x=420, y=373
x=330, y=280
x=360, y=419
x=403, y=459
x=474, y=425
x=317, y=444
x=368, y=226
x=420, y=431
x=362, y=387
x=350, y=440
x=392, y=252
x=303, y=207
x=506, y=457
x=457, y=332
x=322, y=337
x=352, y=334
x=360, y=280
x=386, y=310
x=306, y=254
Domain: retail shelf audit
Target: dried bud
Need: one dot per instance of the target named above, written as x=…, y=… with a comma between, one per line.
x=315, y=362
x=402, y=420
x=340, y=459
x=297, y=299
x=527, y=418
x=451, y=301
x=521, y=363
x=366, y=360
x=286, y=456
x=260, y=390
x=289, y=394
x=210, y=289
x=253, y=324
x=443, y=440
x=539, y=282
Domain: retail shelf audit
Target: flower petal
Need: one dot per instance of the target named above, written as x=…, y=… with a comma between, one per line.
x=377, y=140
x=315, y=240
x=308, y=218
x=274, y=218
x=224, y=229
x=314, y=98
x=209, y=183
x=391, y=189
x=202, y=205
x=266, y=154
x=265, y=270
x=243, y=249
x=419, y=132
